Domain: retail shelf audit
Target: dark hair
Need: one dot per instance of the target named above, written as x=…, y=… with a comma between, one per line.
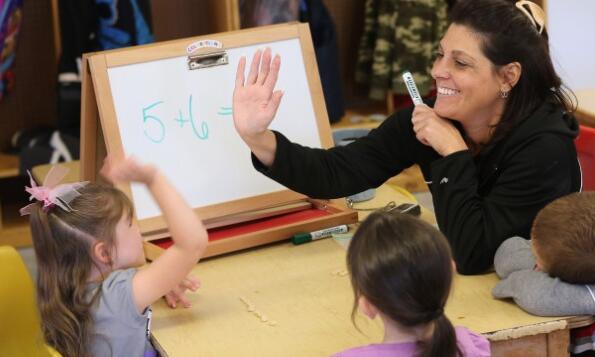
x=507, y=36
x=564, y=237
x=63, y=242
x=403, y=267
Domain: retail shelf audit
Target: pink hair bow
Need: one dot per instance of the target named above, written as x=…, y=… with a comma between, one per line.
x=51, y=193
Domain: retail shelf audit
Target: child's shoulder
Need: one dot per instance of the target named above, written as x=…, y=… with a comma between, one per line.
x=116, y=296
x=472, y=344
x=380, y=350
x=115, y=288
x=117, y=278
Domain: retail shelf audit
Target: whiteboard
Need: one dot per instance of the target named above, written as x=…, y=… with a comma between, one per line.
x=181, y=121
x=571, y=25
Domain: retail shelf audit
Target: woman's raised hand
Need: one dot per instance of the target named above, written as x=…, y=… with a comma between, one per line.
x=254, y=102
x=437, y=132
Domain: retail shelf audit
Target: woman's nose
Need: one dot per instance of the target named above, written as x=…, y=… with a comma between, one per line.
x=439, y=69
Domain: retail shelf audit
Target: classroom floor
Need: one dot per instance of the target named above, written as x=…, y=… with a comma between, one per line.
x=424, y=199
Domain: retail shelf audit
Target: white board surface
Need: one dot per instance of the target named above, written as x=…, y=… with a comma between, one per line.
x=181, y=121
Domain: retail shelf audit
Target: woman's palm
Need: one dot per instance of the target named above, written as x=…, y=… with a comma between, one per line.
x=254, y=102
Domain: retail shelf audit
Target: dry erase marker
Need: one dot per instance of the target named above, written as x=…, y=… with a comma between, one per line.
x=412, y=88
x=323, y=233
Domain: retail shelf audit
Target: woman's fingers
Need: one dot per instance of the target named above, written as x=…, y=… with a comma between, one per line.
x=271, y=79
x=254, y=68
x=265, y=65
x=420, y=132
x=240, y=72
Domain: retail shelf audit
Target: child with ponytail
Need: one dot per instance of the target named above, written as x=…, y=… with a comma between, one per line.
x=401, y=270
x=94, y=297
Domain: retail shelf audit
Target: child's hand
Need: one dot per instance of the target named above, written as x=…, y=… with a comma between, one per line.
x=177, y=295
x=127, y=170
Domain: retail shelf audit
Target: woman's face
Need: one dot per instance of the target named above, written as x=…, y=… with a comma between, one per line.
x=468, y=86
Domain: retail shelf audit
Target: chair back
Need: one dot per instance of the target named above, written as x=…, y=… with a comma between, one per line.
x=585, y=147
x=20, y=327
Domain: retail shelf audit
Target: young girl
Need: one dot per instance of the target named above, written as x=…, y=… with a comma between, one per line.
x=93, y=297
x=401, y=270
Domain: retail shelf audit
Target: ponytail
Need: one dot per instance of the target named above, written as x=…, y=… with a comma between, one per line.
x=61, y=295
x=442, y=342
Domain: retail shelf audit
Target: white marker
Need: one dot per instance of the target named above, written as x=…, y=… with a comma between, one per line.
x=412, y=88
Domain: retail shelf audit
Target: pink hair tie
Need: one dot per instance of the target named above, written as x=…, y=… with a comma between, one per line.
x=51, y=193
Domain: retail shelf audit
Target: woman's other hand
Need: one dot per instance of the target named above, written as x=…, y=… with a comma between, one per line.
x=434, y=131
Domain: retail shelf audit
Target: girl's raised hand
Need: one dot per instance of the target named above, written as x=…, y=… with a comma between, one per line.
x=254, y=102
x=127, y=170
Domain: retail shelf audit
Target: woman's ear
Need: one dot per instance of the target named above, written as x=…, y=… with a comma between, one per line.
x=509, y=76
x=101, y=253
x=367, y=308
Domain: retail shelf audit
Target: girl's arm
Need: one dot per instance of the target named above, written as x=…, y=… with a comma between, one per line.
x=187, y=231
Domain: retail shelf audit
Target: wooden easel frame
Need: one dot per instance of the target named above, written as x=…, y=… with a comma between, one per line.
x=98, y=107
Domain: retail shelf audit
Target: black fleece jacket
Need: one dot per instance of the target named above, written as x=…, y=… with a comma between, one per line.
x=479, y=200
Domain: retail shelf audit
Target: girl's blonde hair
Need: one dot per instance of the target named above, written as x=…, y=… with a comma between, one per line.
x=63, y=243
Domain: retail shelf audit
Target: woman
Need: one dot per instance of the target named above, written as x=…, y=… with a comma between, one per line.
x=495, y=147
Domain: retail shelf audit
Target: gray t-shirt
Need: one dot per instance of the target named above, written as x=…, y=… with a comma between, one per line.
x=118, y=328
x=535, y=291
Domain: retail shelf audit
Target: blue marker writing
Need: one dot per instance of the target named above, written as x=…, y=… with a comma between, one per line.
x=412, y=88
x=324, y=233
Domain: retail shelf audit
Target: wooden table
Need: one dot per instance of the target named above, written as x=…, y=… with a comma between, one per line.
x=306, y=291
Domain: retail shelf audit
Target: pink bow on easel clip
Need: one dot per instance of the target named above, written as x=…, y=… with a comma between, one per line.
x=51, y=193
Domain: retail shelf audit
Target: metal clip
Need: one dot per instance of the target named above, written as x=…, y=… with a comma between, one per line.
x=205, y=60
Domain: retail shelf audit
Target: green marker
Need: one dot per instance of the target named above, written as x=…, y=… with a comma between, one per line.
x=324, y=233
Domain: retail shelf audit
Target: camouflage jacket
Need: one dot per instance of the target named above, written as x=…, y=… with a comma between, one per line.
x=399, y=35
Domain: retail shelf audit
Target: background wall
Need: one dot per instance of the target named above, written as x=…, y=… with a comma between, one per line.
x=181, y=18
x=172, y=19
x=33, y=100
x=349, y=21
x=571, y=25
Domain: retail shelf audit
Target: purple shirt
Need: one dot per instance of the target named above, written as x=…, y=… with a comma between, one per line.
x=470, y=344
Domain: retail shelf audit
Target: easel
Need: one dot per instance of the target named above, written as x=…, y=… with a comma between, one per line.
x=100, y=135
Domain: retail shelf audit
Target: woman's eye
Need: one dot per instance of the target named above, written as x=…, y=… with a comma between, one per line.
x=460, y=64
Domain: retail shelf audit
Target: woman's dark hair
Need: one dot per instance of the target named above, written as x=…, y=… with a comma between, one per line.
x=508, y=35
x=403, y=267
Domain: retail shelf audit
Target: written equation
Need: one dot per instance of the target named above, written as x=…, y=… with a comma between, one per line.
x=155, y=128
